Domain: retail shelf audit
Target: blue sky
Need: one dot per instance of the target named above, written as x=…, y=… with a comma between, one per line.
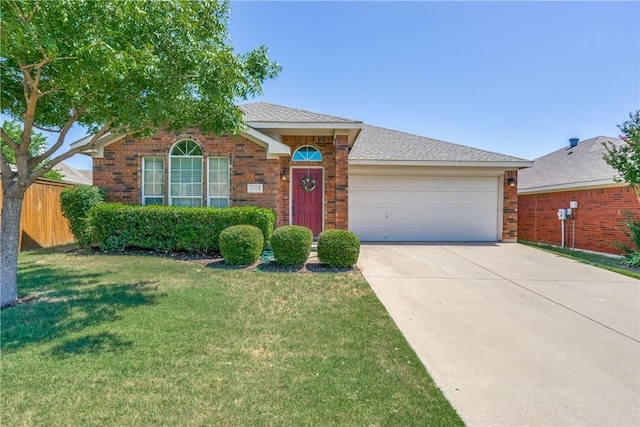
x=519, y=78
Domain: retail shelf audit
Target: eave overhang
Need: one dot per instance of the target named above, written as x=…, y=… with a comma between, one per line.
x=351, y=129
x=274, y=147
x=585, y=185
x=437, y=163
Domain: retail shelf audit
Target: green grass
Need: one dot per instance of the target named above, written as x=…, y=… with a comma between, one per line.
x=603, y=261
x=143, y=340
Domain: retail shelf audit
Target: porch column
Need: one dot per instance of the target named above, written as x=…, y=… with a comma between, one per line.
x=341, y=143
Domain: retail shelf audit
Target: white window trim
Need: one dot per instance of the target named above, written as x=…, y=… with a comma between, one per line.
x=201, y=157
x=142, y=193
x=228, y=197
x=305, y=161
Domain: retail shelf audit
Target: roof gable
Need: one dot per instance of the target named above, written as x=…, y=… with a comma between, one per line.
x=570, y=167
x=266, y=112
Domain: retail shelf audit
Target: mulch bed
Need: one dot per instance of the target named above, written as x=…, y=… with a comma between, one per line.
x=217, y=262
x=312, y=266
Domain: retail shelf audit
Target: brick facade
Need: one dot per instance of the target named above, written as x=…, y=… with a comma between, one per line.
x=598, y=219
x=335, y=152
x=509, y=208
x=119, y=171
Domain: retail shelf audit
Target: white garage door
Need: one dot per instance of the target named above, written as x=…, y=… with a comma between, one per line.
x=423, y=208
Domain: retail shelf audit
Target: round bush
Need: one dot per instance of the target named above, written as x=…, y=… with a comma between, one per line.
x=291, y=245
x=338, y=248
x=241, y=244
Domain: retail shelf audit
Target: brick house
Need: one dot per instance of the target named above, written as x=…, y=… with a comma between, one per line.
x=323, y=172
x=575, y=173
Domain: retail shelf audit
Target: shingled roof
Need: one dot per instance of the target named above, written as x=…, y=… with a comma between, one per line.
x=380, y=144
x=570, y=167
x=266, y=112
x=376, y=144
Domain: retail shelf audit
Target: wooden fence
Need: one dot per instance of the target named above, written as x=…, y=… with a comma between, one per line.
x=42, y=224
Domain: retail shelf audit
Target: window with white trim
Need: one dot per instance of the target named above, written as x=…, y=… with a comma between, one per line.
x=185, y=177
x=218, y=182
x=307, y=154
x=152, y=180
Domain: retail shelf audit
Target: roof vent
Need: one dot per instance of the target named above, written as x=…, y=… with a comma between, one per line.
x=573, y=142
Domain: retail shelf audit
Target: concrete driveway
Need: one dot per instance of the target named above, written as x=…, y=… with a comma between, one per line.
x=514, y=335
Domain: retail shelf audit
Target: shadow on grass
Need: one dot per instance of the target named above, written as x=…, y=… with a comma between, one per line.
x=57, y=301
x=104, y=342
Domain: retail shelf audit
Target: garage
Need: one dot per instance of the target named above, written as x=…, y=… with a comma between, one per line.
x=409, y=188
x=424, y=208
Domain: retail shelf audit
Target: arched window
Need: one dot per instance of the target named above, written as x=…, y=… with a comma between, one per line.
x=307, y=154
x=185, y=177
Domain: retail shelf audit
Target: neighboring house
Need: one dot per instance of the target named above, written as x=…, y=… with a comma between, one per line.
x=575, y=173
x=73, y=175
x=322, y=172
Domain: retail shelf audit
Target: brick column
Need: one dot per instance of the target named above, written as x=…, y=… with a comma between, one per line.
x=342, y=182
x=510, y=208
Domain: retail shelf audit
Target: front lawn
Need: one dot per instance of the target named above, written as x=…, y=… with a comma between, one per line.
x=145, y=340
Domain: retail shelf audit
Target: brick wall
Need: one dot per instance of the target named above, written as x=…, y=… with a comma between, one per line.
x=598, y=219
x=510, y=208
x=119, y=172
x=335, y=164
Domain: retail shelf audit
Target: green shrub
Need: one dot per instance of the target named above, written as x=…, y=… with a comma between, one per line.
x=630, y=252
x=170, y=228
x=76, y=202
x=241, y=244
x=291, y=245
x=338, y=248
x=633, y=224
x=632, y=259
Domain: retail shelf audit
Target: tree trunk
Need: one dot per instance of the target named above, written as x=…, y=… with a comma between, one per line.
x=9, y=235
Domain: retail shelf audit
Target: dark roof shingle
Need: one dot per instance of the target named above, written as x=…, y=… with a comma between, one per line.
x=376, y=143
x=580, y=165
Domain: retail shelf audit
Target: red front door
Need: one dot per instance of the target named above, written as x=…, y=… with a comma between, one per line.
x=306, y=199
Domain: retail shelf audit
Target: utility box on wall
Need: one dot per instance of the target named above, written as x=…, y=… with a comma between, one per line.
x=562, y=214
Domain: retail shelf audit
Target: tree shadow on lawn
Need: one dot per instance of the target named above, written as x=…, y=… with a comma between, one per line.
x=57, y=302
x=93, y=343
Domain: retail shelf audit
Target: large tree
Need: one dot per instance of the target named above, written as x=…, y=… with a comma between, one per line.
x=114, y=67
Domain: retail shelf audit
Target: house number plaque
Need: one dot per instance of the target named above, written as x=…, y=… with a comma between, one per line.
x=255, y=188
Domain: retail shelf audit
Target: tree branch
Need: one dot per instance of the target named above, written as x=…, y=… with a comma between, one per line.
x=46, y=129
x=20, y=15
x=61, y=137
x=5, y=167
x=94, y=143
x=31, y=95
x=6, y=138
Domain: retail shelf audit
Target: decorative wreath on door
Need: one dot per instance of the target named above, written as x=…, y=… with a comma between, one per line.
x=308, y=184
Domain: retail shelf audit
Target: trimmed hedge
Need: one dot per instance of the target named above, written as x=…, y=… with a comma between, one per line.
x=76, y=202
x=338, y=248
x=241, y=244
x=169, y=228
x=291, y=245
